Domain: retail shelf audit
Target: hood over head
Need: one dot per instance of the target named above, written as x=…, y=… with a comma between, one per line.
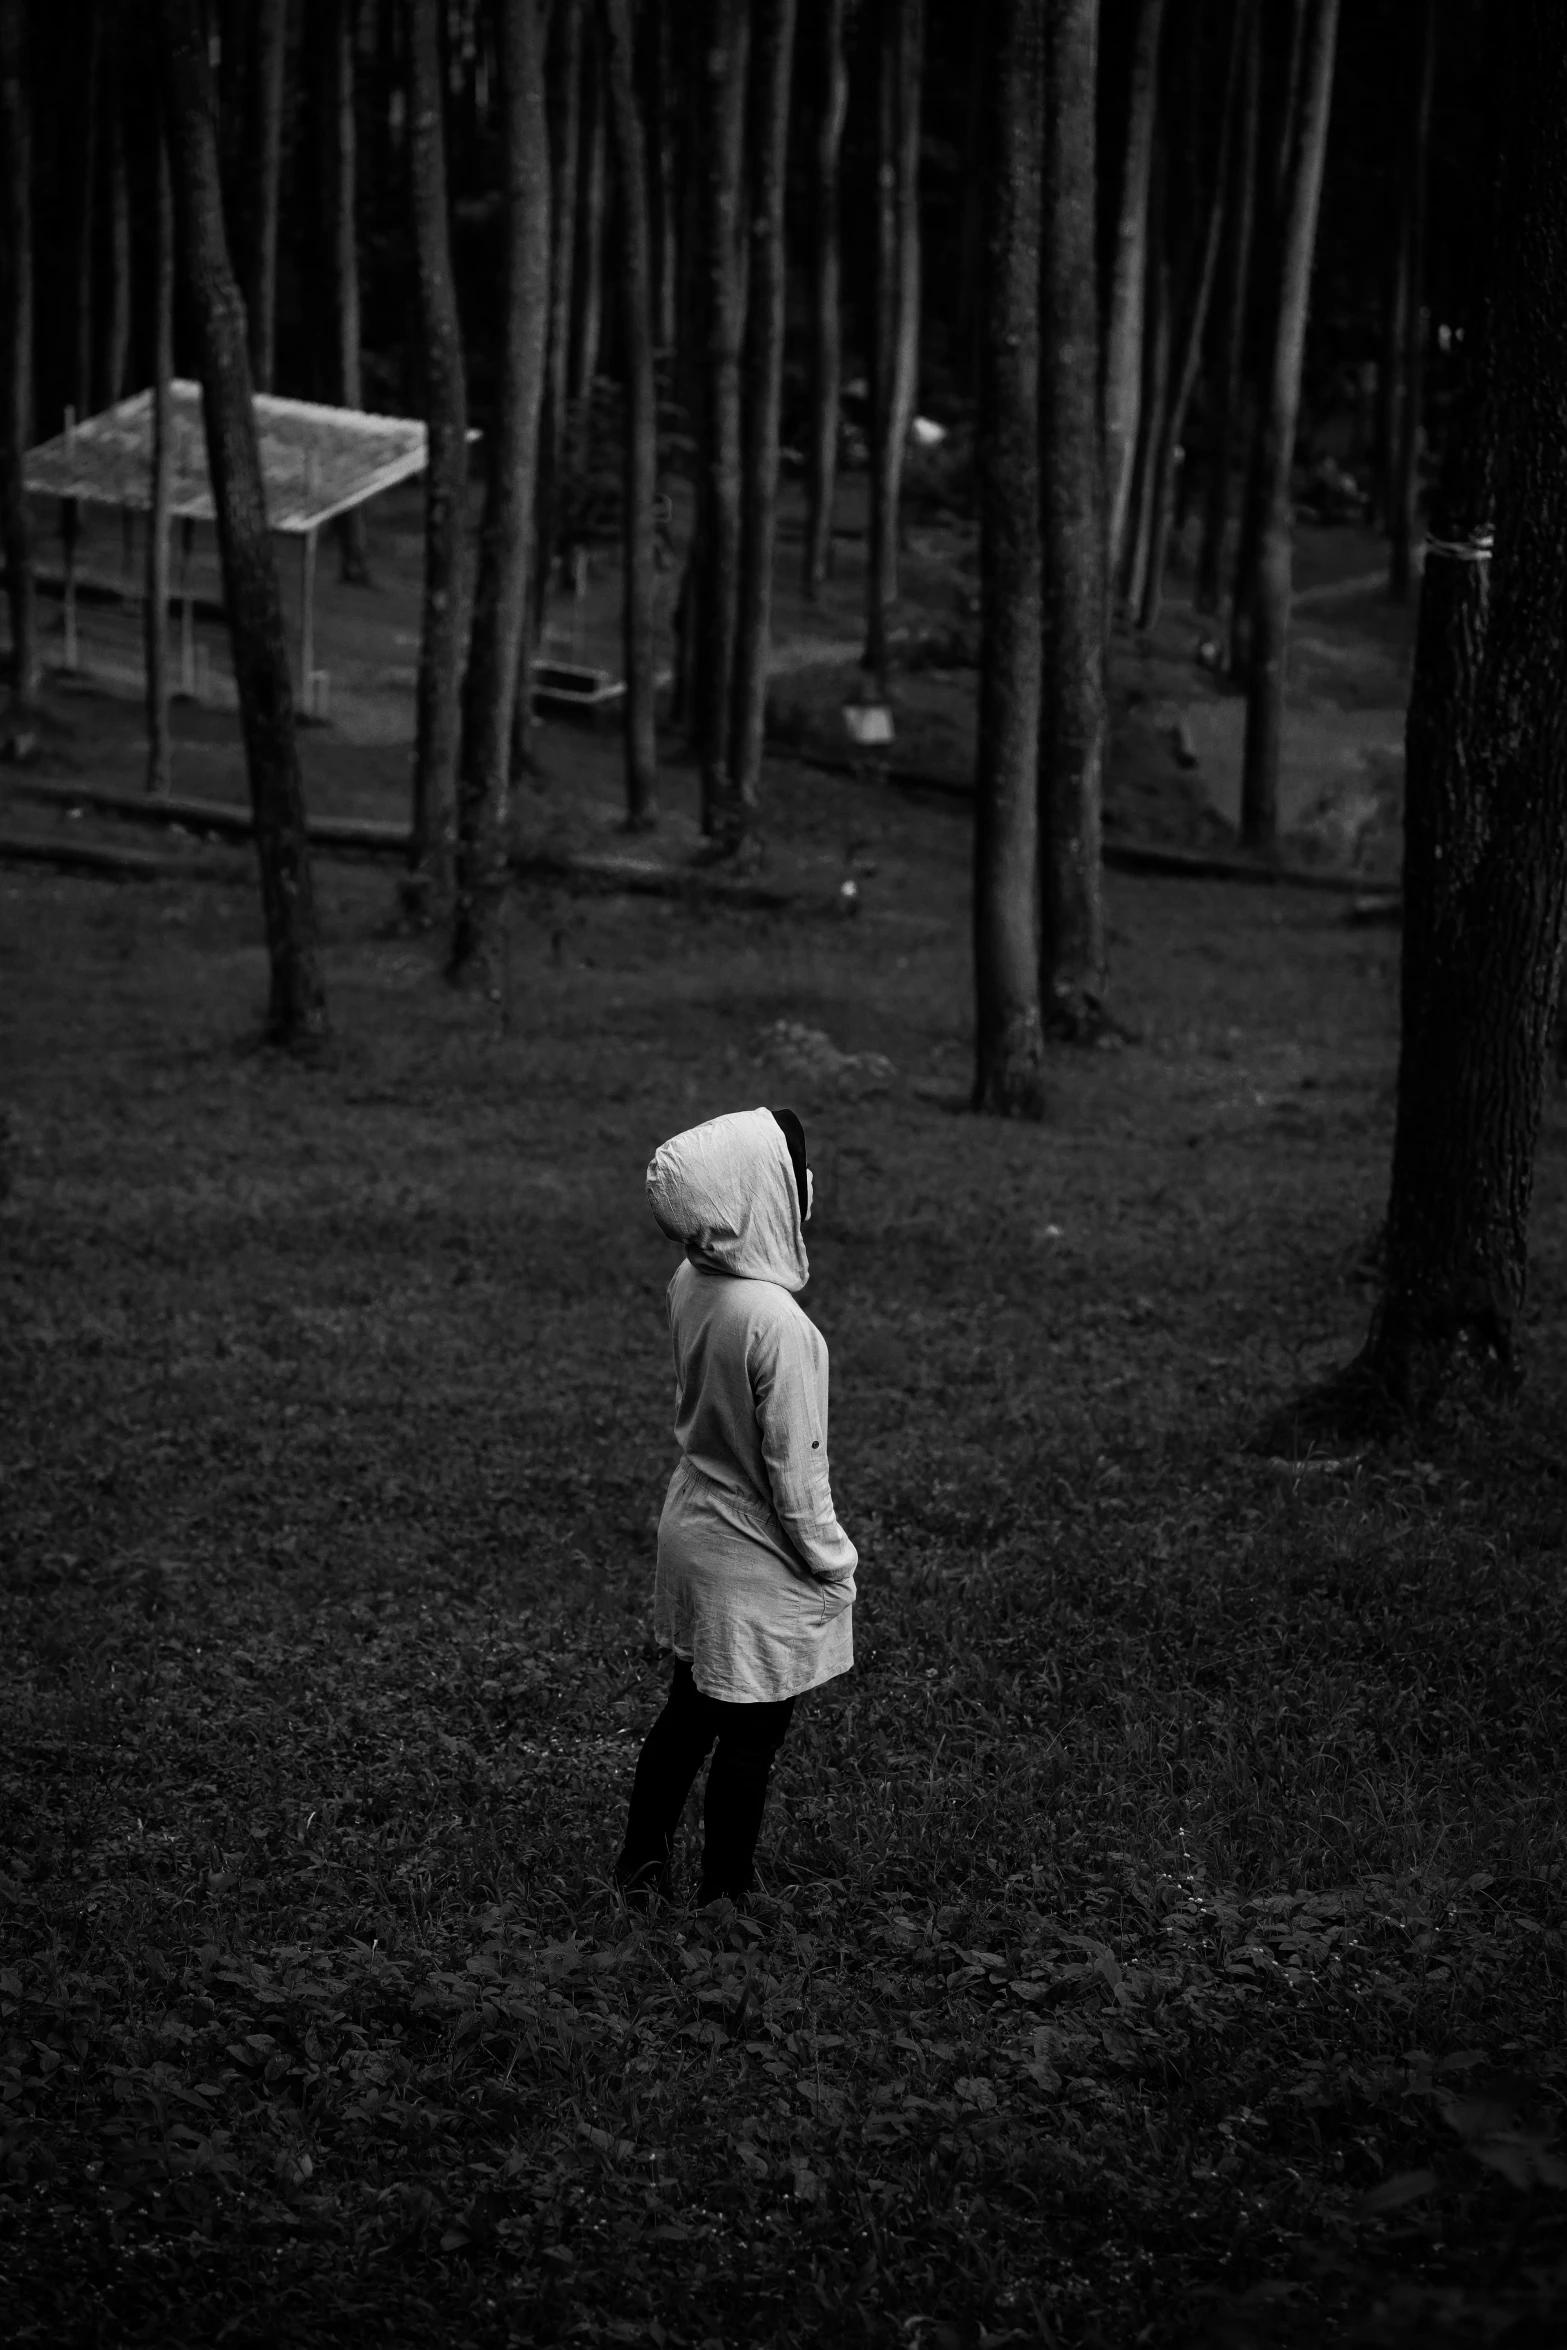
x=726, y=1190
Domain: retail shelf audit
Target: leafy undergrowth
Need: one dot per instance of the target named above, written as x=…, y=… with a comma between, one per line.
x=1161, y=1930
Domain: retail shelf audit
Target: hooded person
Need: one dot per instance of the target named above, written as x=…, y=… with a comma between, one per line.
x=755, y=1583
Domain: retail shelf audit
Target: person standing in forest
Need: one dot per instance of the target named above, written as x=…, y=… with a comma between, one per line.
x=755, y=1584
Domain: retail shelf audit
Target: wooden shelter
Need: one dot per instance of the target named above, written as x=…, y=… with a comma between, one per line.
x=316, y=464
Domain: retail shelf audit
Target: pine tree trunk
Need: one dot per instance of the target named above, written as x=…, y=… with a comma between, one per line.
x=342, y=179
x=895, y=338
x=1390, y=379
x=1123, y=362
x=717, y=553
x=1209, y=594
x=86, y=213
x=155, y=616
x=1188, y=358
x=662, y=180
x=639, y=556
x=500, y=594
x=1152, y=396
x=772, y=68
x=1485, y=871
x=443, y=623
x=1073, y=721
x=117, y=348
x=262, y=179
x=587, y=322
x=296, y=1010
x=1269, y=634
x=563, y=90
x=826, y=293
x=16, y=353
x=1405, y=470
x=1008, y=1036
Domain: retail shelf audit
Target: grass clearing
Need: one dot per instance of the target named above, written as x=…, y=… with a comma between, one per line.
x=1163, y=1928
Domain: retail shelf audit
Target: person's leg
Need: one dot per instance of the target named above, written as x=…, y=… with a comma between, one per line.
x=672, y=1754
x=748, y=1738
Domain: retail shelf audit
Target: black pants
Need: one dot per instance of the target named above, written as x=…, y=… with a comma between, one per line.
x=747, y=1736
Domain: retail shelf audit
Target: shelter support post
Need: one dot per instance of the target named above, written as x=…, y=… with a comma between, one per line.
x=307, y=622
x=187, y=612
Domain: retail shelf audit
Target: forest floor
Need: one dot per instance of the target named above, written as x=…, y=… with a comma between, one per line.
x=1161, y=1937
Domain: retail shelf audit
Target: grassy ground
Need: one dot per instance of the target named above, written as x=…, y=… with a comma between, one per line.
x=1162, y=1938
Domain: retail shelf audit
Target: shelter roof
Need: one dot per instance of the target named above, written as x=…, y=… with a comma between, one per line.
x=316, y=462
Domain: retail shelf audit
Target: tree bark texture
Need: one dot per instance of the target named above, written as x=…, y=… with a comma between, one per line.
x=86, y=214
x=896, y=327
x=1073, y=720
x=772, y=68
x=115, y=381
x=640, y=655
x=296, y=1010
x=662, y=178
x=443, y=622
x=588, y=318
x=1009, y=1037
x=155, y=616
x=263, y=164
x=500, y=594
x=563, y=93
x=1230, y=355
x=717, y=553
x=1269, y=634
x=830, y=19
x=1485, y=873
x=1188, y=357
x=1403, y=514
x=1123, y=356
x=16, y=346
x=342, y=181
x=1158, y=329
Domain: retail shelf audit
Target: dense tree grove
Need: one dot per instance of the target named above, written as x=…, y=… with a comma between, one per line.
x=1129, y=262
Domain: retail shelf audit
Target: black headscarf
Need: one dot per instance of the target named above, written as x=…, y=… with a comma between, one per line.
x=794, y=1136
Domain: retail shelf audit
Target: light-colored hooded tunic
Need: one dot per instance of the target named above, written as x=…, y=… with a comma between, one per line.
x=755, y=1582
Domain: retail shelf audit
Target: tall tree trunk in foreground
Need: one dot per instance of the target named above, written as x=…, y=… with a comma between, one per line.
x=662, y=179
x=641, y=434
x=1405, y=470
x=1227, y=364
x=1008, y=1035
x=1276, y=436
x=263, y=163
x=1073, y=720
x=16, y=346
x=1072, y=504
x=500, y=595
x=1188, y=358
x=86, y=213
x=117, y=344
x=830, y=17
x=1123, y=357
x=717, y=552
x=342, y=179
x=1485, y=873
x=1158, y=332
x=296, y=1009
x=587, y=322
x=443, y=622
x=563, y=107
x=772, y=71
x=155, y=615
x=895, y=334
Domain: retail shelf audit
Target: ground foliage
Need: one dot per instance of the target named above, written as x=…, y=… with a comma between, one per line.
x=1162, y=1928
